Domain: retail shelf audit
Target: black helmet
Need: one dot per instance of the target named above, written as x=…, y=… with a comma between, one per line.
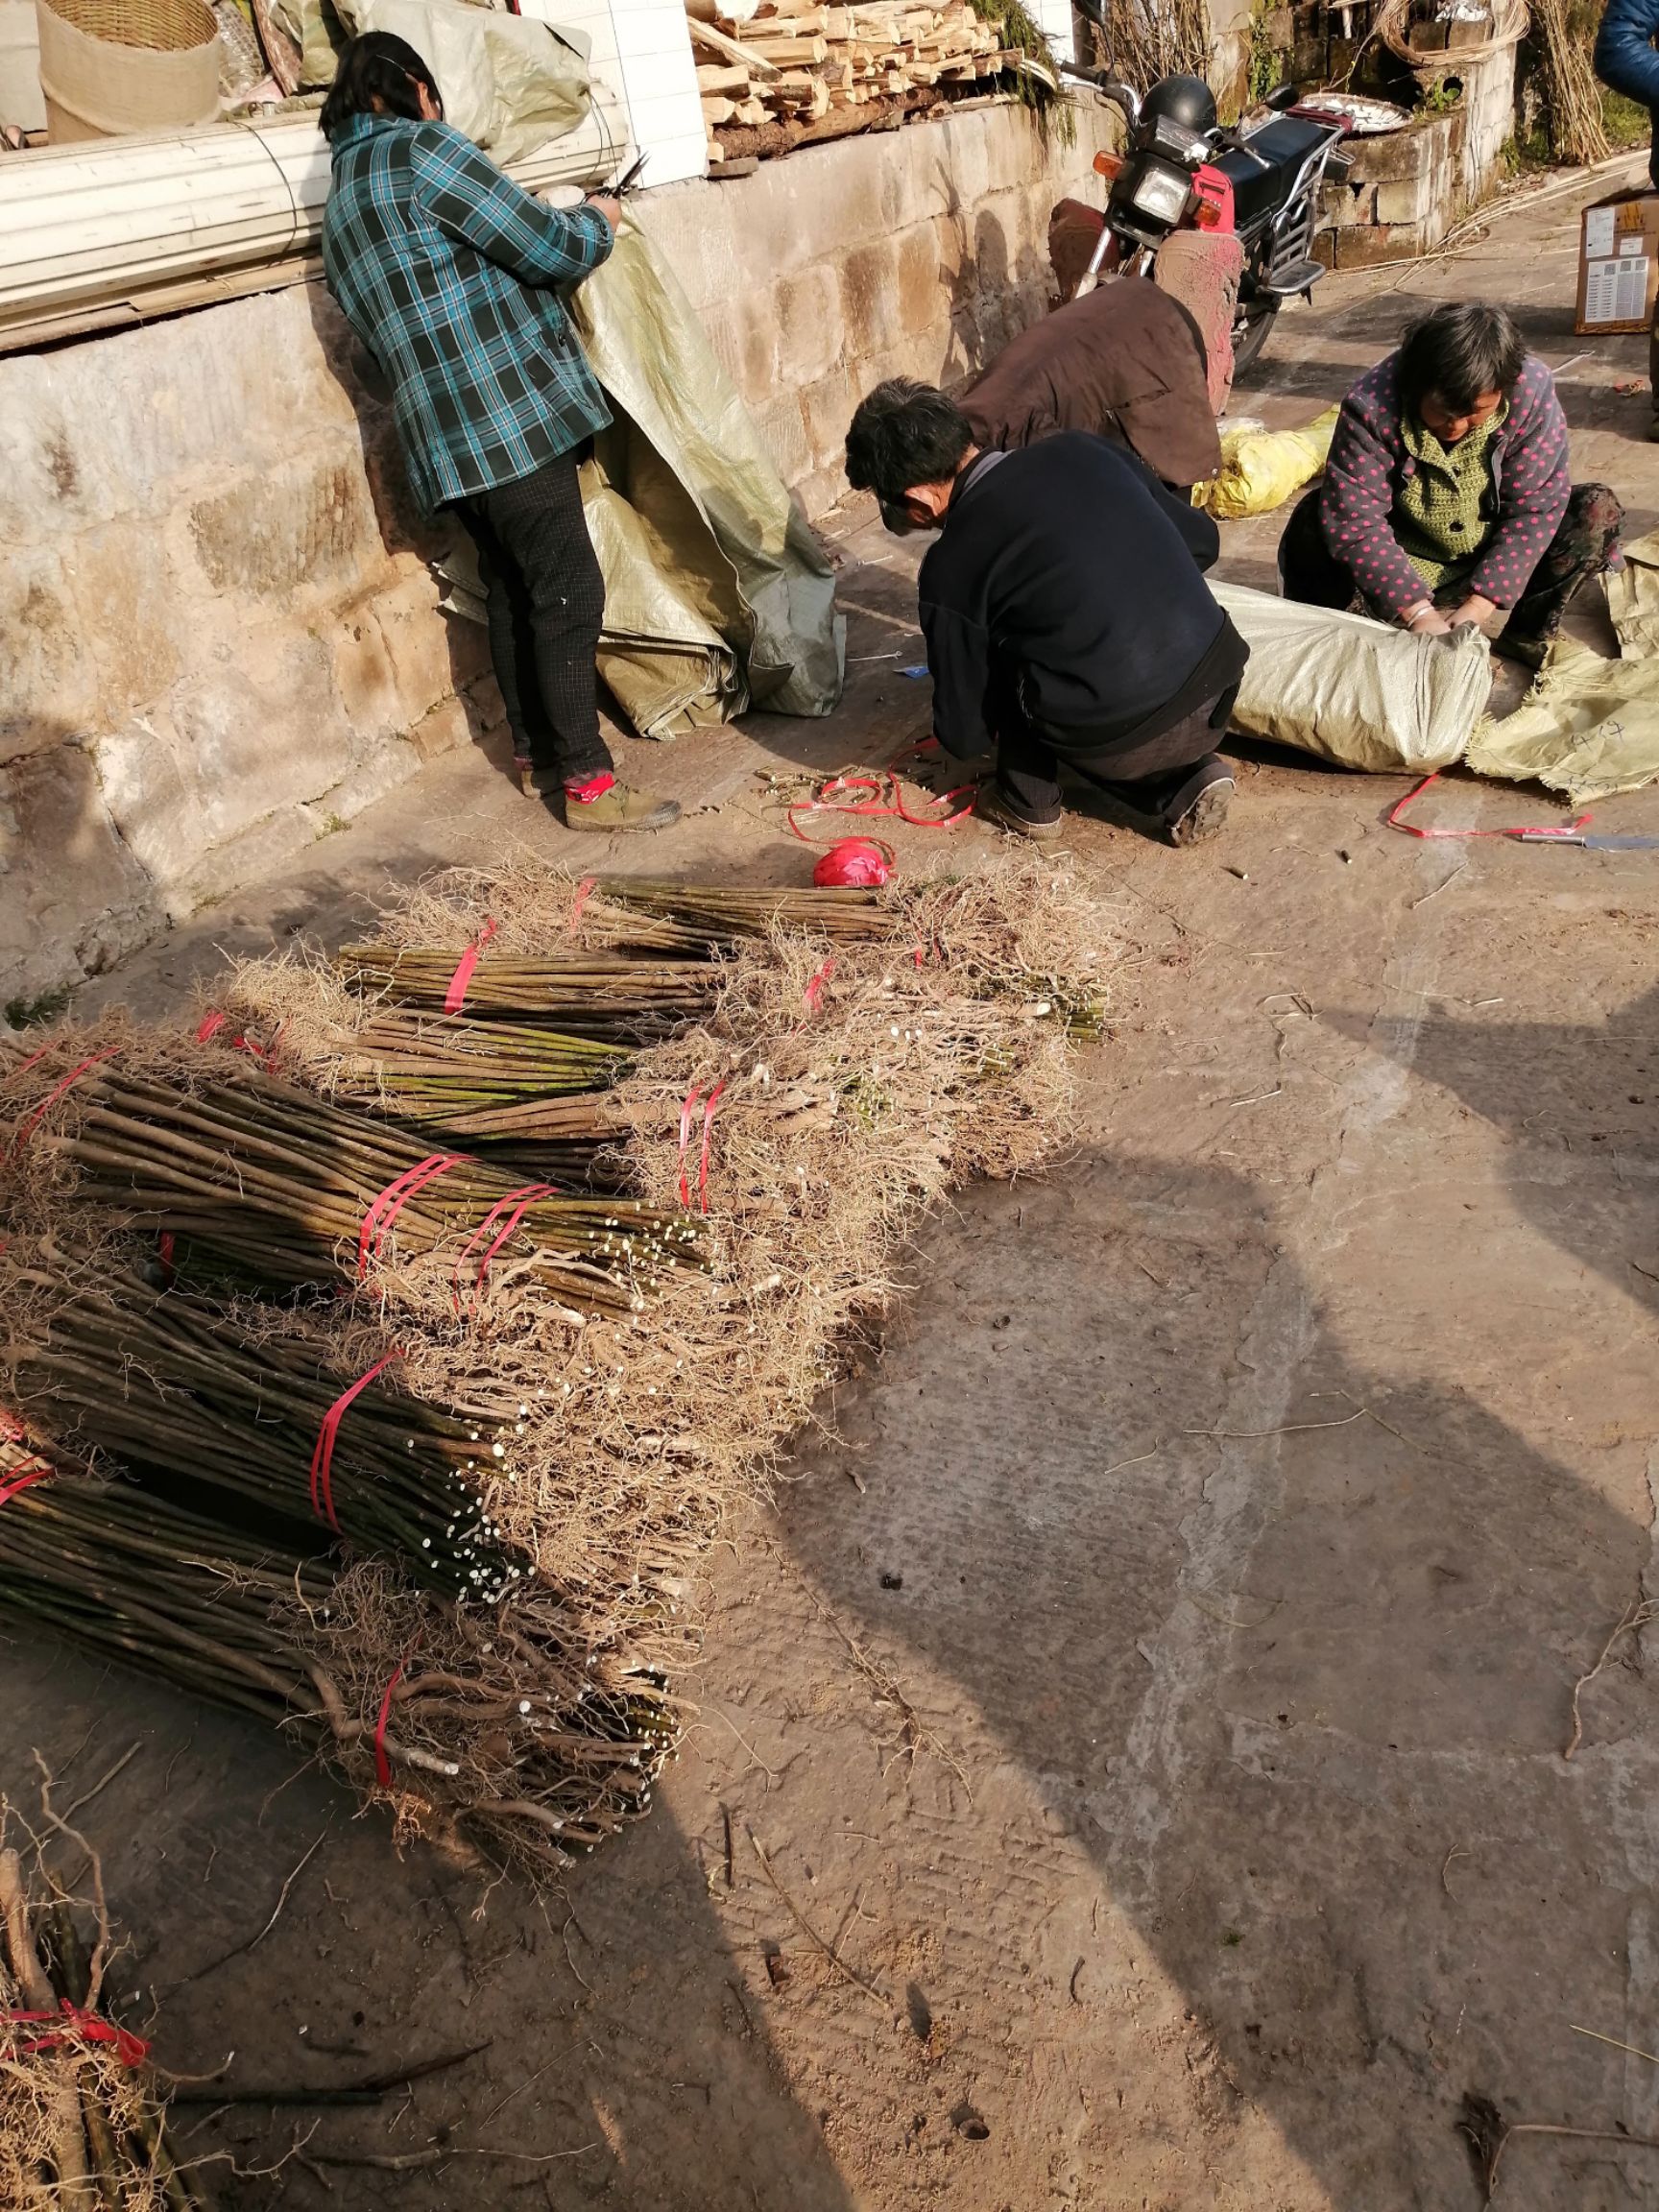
x=1186, y=101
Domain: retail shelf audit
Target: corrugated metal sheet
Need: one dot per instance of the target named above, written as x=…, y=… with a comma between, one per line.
x=100, y=234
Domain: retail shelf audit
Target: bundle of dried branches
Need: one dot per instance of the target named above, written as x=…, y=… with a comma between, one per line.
x=1572, y=96
x=1145, y=40
x=82, y=2124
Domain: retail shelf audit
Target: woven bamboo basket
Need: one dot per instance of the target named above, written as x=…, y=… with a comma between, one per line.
x=109, y=67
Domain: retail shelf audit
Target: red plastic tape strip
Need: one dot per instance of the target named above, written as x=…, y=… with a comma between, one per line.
x=514, y=1205
x=322, y=1450
x=132, y=2049
x=33, y=1471
x=390, y=1202
x=708, y=1106
x=25, y=1129
x=1542, y=833
x=455, y=996
x=383, y=1764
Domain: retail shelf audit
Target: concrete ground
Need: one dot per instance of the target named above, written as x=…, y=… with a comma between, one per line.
x=1152, y=1687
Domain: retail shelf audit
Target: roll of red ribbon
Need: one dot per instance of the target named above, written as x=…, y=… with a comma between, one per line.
x=856, y=863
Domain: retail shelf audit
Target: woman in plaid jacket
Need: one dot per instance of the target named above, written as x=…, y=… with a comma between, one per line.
x=454, y=280
x=1446, y=496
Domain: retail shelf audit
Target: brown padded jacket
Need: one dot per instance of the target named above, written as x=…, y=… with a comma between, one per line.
x=1125, y=361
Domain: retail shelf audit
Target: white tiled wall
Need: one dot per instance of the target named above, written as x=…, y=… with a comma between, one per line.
x=1054, y=16
x=642, y=50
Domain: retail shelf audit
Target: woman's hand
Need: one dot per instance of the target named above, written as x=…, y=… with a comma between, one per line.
x=1428, y=621
x=1475, y=608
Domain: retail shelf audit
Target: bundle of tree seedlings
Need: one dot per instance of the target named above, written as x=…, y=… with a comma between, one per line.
x=302, y=1427
x=513, y=1729
x=625, y=1370
x=603, y=996
x=702, y=918
x=82, y=2120
x=517, y=1093
x=256, y=1418
x=282, y=1188
x=830, y=1094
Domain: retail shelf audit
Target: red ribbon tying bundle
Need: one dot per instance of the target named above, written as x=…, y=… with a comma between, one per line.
x=583, y=891
x=383, y=1764
x=213, y=1021
x=454, y=998
x=87, y=2026
x=710, y=1104
x=814, y=990
x=322, y=1450
x=31, y=1471
x=378, y=1221
x=25, y=1129
x=514, y=1205
x=1540, y=833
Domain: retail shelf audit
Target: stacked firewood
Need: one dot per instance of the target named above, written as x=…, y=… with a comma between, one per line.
x=792, y=62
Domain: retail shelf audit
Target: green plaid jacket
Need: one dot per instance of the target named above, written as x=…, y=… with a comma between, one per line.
x=452, y=275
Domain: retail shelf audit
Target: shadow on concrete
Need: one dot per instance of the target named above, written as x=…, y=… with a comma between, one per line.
x=1580, y=1099
x=1272, y=1634
x=624, y=2063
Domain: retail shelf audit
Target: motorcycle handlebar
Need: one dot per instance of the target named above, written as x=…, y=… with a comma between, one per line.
x=1121, y=96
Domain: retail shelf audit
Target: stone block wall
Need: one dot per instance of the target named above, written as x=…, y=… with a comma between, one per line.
x=220, y=636
x=220, y=633
x=917, y=252
x=1406, y=189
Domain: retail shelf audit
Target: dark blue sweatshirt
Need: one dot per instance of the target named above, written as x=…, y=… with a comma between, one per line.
x=1065, y=585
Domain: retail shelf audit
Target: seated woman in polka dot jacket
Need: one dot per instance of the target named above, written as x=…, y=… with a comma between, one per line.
x=1446, y=496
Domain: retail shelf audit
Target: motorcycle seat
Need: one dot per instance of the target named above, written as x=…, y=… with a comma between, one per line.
x=1284, y=144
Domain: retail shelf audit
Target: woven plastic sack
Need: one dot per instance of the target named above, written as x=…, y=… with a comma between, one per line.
x=1633, y=599
x=1355, y=691
x=1589, y=728
x=724, y=533
x=1261, y=469
x=666, y=666
x=511, y=83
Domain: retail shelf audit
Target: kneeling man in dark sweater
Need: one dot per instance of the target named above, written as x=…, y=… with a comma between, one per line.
x=1067, y=620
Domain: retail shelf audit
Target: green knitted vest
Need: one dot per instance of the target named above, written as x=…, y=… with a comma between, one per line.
x=1439, y=516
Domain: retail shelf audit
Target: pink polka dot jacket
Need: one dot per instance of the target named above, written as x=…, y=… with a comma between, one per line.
x=1369, y=465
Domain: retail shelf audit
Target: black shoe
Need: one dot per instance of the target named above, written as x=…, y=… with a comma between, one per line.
x=991, y=804
x=1198, y=809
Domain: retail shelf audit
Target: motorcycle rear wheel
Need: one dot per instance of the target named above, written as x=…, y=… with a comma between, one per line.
x=1251, y=326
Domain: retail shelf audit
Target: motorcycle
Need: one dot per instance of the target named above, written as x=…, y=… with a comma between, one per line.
x=1181, y=169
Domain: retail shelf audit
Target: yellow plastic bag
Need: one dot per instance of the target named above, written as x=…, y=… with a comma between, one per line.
x=1261, y=469
x=1588, y=729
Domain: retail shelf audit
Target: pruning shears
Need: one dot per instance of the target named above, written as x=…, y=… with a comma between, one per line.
x=1592, y=840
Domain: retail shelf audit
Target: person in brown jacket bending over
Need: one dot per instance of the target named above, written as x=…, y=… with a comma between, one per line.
x=1125, y=362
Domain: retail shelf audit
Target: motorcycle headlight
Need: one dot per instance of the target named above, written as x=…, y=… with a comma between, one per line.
x=1161, y=193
